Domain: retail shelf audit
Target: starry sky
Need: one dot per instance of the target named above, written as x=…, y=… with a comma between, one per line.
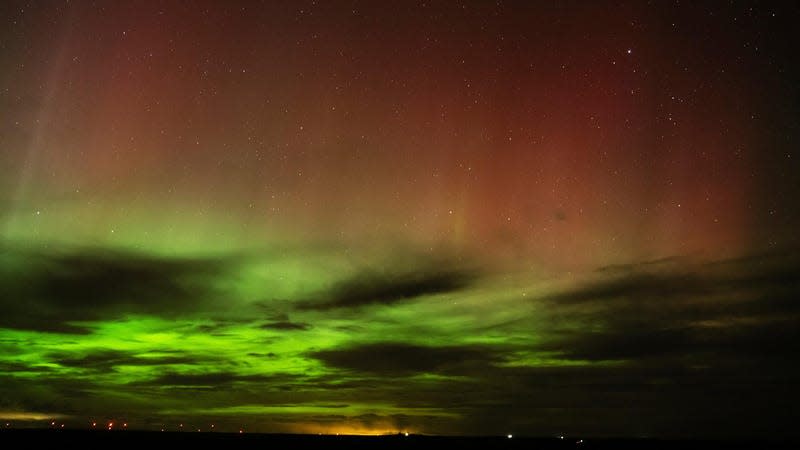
x=474, y=217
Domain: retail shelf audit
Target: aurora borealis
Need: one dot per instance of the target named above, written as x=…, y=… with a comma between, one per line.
x=537, y=218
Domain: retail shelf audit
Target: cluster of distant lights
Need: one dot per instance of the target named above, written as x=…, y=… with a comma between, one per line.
x=114, y=425
x=560, y=437
x=110, y=426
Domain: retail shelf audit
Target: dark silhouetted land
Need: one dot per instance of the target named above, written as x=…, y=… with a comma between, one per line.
x=61, y=438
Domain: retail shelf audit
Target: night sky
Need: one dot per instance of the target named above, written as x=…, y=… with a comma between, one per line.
x=536, y=218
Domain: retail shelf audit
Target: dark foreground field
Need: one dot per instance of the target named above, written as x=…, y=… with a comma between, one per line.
x=29, y=437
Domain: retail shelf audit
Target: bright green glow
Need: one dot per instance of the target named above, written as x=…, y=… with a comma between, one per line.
x=315, y=409
x=222, y=358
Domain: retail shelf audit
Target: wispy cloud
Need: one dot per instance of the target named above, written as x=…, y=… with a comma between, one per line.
x=400, y=359
x=46, y=291
x=370, y=288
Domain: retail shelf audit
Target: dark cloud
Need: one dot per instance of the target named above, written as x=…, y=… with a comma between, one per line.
x=400, y=359
x=639, y=265
x=218, y=326
x=107, y=360
x=742, y=308
x=18, y=367
x=46, y=291
x=385, y=289
x=282, y=322
x=286, y=326
x=217, y=380
x=624, y=344
x=637, y=286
